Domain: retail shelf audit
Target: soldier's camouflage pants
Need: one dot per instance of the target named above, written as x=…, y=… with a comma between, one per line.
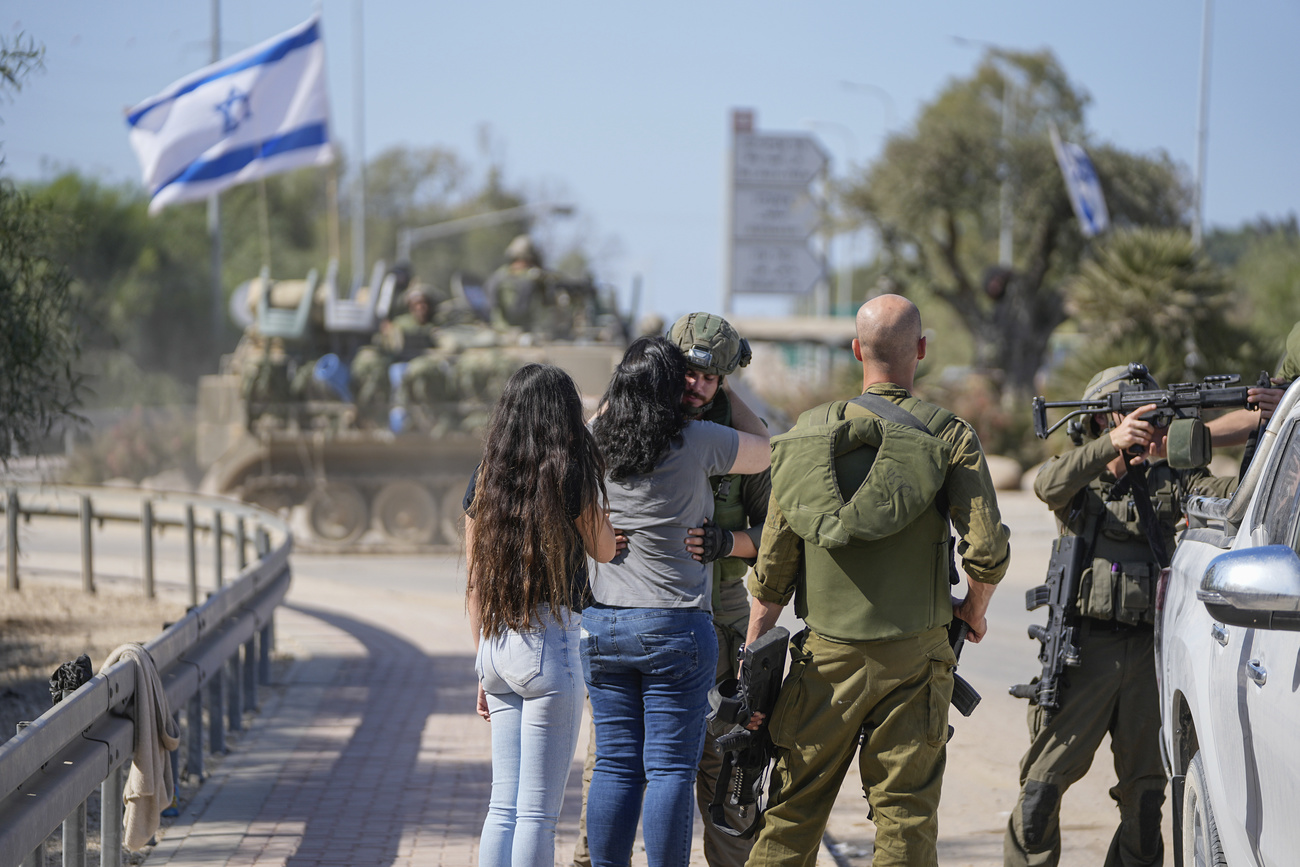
x=1113, y=690
x=897, y=693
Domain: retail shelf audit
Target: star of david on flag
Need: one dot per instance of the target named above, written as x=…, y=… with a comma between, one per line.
x=257, y=113
x=1083, y=185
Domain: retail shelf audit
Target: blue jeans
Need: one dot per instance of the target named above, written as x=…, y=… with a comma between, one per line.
x=534, y=693
x=648, y=673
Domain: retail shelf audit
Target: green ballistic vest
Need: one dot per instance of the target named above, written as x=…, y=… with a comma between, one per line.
x=728, y=507
x=1119, y=583
x=893, y=583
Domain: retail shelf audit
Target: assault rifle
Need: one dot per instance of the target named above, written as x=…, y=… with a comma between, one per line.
x=1180, y=400
x=746, y=754
x=1060, y=636
x=964, y=696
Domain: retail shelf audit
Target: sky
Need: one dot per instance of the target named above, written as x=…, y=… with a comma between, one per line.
x=623, y=108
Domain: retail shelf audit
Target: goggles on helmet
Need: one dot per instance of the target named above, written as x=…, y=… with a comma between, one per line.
x=699, y=356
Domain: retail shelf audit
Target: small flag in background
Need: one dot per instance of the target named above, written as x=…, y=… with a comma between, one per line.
x=1083, y=186
x=260, y=112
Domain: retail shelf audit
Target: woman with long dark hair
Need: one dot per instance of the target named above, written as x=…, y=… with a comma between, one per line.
x=535, y=510
x=649, y=651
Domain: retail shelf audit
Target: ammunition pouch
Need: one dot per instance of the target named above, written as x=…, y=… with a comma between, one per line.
x=1121, y=590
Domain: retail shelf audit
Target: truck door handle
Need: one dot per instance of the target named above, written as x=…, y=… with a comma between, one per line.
x=1219, y=633
x=1255, y=671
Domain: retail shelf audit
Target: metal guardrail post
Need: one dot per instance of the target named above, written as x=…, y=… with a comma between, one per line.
x=74, y=838
x=235, y=697
x=194, y=737
x=216, y=717
x=265, y=642
x=191, y=556
x=250, y=674
x=87, y=547
x=241, y=544
x=146, y=524
x=11, y=539
x=110, y=819
x=218, y=564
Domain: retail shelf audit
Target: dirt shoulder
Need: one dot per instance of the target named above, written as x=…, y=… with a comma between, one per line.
x=50, y=621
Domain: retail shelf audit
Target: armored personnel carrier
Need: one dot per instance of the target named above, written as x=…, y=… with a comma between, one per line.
x=297, y=420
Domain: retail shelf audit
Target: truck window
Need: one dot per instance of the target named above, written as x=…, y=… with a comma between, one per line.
x=1279, y=513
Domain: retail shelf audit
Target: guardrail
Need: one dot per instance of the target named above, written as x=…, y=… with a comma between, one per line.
x=50, y=768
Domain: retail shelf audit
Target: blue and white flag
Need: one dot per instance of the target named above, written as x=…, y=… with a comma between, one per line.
x=1082, y=184
x=260, y=112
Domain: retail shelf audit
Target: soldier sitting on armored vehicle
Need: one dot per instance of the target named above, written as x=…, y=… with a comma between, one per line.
x=524, y=296
x=400, y=339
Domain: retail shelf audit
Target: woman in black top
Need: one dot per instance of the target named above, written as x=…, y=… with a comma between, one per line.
x=535, y=511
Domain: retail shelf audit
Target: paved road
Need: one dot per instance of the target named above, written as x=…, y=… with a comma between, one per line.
x=370, y=753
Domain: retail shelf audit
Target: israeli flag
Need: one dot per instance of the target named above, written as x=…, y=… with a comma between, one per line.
x=1082, y=184
x=260, y=112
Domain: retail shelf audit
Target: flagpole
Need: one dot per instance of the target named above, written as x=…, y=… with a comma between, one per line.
x=359, y=128
x=1202, y=125
x=214, y=214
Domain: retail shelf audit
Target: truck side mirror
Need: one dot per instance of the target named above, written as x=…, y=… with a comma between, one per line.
x=1254, y=587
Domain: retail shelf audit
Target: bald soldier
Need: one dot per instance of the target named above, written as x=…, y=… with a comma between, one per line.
x=870, y=578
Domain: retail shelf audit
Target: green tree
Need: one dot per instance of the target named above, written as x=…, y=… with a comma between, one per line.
x=1148, y=295
x=1263, y=258
x=38, y=337
x=934, y=194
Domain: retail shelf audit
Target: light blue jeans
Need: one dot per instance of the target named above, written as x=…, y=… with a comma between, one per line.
x=648, y=671
x=533, y=681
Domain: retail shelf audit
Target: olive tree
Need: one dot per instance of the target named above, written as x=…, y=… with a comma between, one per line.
x=934, y=198
x=38, y=339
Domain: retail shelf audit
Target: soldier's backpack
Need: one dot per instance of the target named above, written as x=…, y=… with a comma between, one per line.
x=906, y=475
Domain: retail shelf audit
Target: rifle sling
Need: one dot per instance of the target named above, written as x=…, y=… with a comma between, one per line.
x=1147, y=519
x=717, y=808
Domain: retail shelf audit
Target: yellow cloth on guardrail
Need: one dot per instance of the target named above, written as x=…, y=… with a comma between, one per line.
x=149, y=787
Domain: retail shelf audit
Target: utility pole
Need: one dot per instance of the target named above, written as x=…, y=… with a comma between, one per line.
x=1006, y=207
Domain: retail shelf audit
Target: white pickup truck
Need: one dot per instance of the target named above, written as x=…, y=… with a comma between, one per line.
x=1228, y=663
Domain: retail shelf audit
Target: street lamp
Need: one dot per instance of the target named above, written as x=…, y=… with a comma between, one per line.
x=1006, y=207
x=880, y=93
x=408, y=238
x=845, y=262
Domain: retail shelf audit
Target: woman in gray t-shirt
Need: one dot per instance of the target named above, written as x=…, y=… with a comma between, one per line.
x=648, y=647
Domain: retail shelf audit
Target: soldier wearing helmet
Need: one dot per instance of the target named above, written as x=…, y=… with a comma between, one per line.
x=517, y=291
x=405, y=337
x=1093, y=489
x=714, y=350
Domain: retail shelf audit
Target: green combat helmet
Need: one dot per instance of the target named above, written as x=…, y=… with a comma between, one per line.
x=1109, y=380
x=523, y=249
x=710, y=343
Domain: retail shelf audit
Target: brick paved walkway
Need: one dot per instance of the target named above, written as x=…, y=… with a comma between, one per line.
x=367, y=753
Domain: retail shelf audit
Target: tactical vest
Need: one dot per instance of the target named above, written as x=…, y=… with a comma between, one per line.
x=728, y=507
x=875, y=564
x=1120, y=582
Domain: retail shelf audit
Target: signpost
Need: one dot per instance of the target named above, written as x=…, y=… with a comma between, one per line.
x=772, y=212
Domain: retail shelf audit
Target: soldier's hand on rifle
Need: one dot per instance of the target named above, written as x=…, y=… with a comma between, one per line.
x=1267, y=399
x=1133, y=432
x=973, y=608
